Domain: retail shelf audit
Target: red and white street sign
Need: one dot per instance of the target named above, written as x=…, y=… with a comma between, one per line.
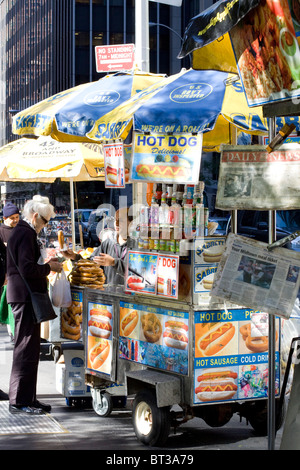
x=114, y=58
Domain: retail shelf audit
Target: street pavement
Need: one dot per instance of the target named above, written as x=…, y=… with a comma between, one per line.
x=80, y=428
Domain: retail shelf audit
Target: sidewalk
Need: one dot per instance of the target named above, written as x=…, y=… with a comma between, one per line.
x=76, y=428
x=66, y=427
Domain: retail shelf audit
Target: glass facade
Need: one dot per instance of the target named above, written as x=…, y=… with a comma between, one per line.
x=49, y=45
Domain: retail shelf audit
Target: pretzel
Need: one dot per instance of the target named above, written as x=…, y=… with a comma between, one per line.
x=257, y=344
x=151, y=327
x=245, y=331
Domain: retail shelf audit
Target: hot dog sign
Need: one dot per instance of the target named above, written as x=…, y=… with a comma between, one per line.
x=166, y=158
x=231, y=355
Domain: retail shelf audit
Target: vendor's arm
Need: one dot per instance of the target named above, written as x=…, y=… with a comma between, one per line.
x=70, y=254
x=103, y=256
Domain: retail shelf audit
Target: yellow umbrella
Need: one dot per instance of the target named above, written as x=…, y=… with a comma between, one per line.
x=44, y=160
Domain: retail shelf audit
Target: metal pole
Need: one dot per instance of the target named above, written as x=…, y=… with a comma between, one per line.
x=72, y=213
x=142, y=34
x=272, y=332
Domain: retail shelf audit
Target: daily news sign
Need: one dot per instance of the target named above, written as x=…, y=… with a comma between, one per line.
x=114, y=58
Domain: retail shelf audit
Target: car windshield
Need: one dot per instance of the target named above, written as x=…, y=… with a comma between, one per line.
x=99, y=216
x=85, y=216
x=288, y=220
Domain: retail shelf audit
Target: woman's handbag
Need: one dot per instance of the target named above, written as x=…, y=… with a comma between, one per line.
x=41, y=304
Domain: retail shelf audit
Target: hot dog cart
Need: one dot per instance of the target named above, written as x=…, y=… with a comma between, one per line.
x=172, y=346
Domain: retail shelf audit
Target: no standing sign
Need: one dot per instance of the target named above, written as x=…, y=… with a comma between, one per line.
x=114, y=57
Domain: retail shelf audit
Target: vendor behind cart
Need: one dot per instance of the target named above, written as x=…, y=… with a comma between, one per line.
x=111, y=254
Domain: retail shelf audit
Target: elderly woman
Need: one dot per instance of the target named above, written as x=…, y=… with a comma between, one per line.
x=24, y=250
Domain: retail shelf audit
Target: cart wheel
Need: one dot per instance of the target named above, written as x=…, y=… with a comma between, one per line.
x=259, y=417
x=104, y=407
x=151, y=424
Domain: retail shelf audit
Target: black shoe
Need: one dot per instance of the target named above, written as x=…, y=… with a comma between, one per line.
x=41, y=406
x=24, y=409
x=3, y=395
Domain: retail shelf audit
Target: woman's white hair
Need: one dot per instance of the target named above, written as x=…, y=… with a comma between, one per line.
x=41, y=205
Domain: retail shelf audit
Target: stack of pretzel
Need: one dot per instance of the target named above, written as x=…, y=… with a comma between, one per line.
x=87, y=273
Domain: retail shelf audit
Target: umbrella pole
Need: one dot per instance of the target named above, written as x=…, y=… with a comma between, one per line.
x=72, y=213
x=272, y=329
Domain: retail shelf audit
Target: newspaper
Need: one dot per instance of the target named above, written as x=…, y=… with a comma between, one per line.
x=252, y=178
x=250, y=275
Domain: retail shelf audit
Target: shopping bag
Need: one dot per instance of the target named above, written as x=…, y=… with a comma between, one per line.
x=42, y=307
x=61, y=291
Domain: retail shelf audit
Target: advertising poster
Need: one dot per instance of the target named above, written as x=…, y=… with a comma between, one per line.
x=167, y=276
x=114, y=165
x=267, y=52
x=99, y=337
x=166, y=158
x=154, y=336
x=71, y=317
x=207, y=254
x=141, y=272
x=231, y=355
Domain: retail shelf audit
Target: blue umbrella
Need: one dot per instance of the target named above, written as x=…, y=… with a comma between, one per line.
x=69, y=115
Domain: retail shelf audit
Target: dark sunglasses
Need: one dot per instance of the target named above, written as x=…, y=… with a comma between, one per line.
x=44, y=220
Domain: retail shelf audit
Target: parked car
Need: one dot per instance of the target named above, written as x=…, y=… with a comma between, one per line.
x=254, y=224
x=81, y=218
x=99, y=219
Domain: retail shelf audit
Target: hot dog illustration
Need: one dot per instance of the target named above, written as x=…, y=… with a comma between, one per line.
x=216, y=338
x=129, y=322
x=216, y=385
x=153, y=168
x=99, y=353
x=175, y=334
x=100, y=323
x=135, y=283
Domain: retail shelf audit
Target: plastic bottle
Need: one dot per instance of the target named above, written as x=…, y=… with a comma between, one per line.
x=144, y=221
x=169, y=195
x=154, y=218
x=163, y=219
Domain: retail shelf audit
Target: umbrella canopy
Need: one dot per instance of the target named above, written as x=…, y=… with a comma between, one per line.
x=44, y=160
x=191, y=101
x=69, y=115
x=213, y=23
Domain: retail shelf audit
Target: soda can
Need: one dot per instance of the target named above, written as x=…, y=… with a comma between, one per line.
x=172, y=246
x=162, y=245
x=146, y=244
x=156, y=244
x=151, y=244
x=140, y=244
x=173, y=287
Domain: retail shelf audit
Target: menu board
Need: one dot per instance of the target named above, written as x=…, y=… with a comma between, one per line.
x=154, y=336
x=231, y=355
x=99, y=337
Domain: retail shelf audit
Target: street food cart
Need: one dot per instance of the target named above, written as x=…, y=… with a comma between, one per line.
x=161, y=338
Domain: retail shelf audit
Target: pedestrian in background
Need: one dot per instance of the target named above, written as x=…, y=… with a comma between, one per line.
x=24, y=252
x=11, y=217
